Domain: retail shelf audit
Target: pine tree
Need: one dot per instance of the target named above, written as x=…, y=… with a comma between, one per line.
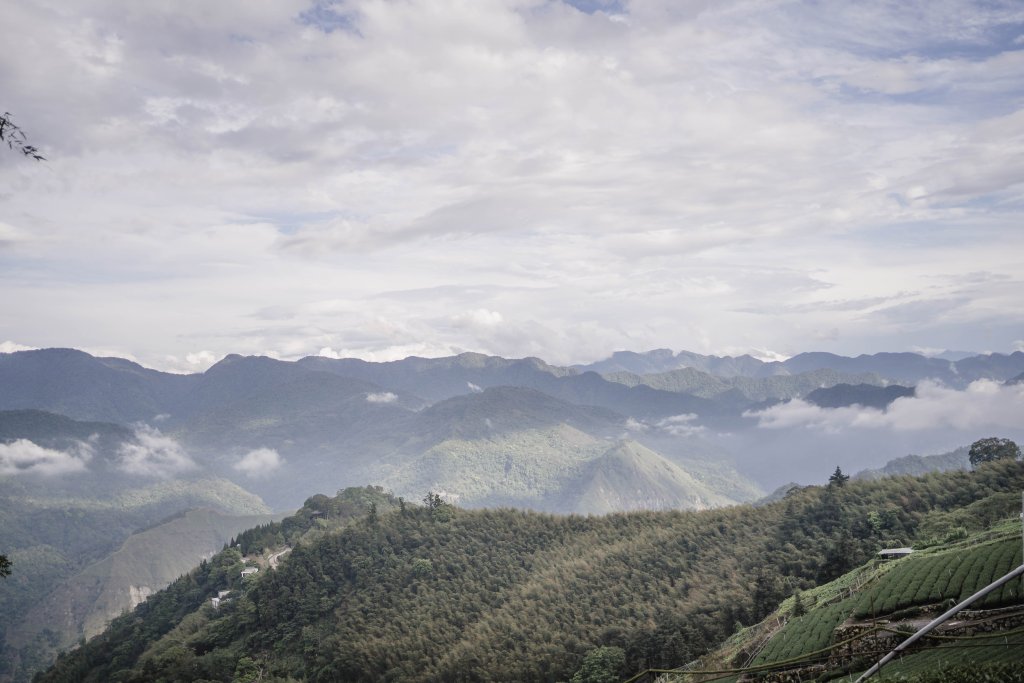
x=838, y=479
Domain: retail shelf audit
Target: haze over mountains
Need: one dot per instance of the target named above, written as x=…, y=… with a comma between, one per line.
x=99, y=457
x=489, y=431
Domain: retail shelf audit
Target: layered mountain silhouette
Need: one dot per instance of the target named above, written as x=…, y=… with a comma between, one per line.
x=101, y=458
x=908, y=368
x=490, y=430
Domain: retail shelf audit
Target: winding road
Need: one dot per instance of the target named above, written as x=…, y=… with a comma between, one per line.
x=274, y=558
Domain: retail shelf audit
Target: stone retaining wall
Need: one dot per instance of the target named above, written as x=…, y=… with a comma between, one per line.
x=868, y=646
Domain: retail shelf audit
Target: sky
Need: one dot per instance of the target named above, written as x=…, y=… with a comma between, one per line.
x=553, y=178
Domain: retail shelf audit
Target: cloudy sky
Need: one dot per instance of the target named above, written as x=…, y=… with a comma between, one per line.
x=519, y=177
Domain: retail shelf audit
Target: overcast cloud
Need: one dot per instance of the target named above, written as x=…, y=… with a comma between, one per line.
x=519, y=177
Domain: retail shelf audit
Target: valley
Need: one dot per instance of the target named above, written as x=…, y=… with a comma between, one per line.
x=132, y=485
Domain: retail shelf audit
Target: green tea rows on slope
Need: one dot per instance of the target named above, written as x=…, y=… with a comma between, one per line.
x=953, y=575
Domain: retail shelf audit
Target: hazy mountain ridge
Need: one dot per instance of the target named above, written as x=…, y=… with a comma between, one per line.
x=516, y=446
x=917, y=465
x=84, y=387
x=904, y=367
x=747, y=390
x=437, y=379
x=867, y=395
x=351, y=422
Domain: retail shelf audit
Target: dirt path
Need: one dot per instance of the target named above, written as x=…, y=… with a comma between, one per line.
x=276, y=556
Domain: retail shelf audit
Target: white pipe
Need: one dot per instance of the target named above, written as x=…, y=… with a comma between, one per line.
x=939, y=620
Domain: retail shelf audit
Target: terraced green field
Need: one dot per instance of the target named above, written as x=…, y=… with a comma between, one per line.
x=953, y=575
x=804, y=634
x=923, y=579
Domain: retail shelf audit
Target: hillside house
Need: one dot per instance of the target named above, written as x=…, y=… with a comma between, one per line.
x=894, y=553
x=249, y=571
x=222, y=596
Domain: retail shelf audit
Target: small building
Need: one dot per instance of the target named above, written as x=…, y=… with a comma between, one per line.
x=249, y=571
x=894, y=553
x=222, y=594
x=216, y=602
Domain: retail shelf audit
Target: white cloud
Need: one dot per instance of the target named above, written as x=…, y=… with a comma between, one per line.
x=381, y=397
x=12, y=347
x=153, y=454
x=201, y=360
x=474, y=388
x=983, y=404
x=634, y=425
x=10, y=235
x=25, y=457
x=328, y=352
x=680, y=425
x=259, y=463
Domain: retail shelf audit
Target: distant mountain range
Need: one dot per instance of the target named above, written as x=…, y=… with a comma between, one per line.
x=898, y=367
x=101, y=459
x=916, y=465
x=487, y=430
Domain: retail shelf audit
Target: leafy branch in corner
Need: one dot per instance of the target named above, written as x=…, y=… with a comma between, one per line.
x=15, y=138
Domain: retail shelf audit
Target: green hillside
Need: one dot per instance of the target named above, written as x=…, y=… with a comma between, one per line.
x=53, y=530
x=844, y=626
x=145, y=562
x=443, y=594
x=562, y=469
x=610, y=483
x=527, y=468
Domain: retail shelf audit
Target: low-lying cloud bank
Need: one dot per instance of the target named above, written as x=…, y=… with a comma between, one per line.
x=680, y=425
x=25, y=457
x=154, y=454
x=983, y=403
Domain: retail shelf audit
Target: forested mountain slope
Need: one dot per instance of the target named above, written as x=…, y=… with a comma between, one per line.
x=917, y=465
x=85, y=602
x=839, y=629
x=443, y=594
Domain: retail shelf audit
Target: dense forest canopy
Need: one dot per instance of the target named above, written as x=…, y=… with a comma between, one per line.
x=435, y=593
